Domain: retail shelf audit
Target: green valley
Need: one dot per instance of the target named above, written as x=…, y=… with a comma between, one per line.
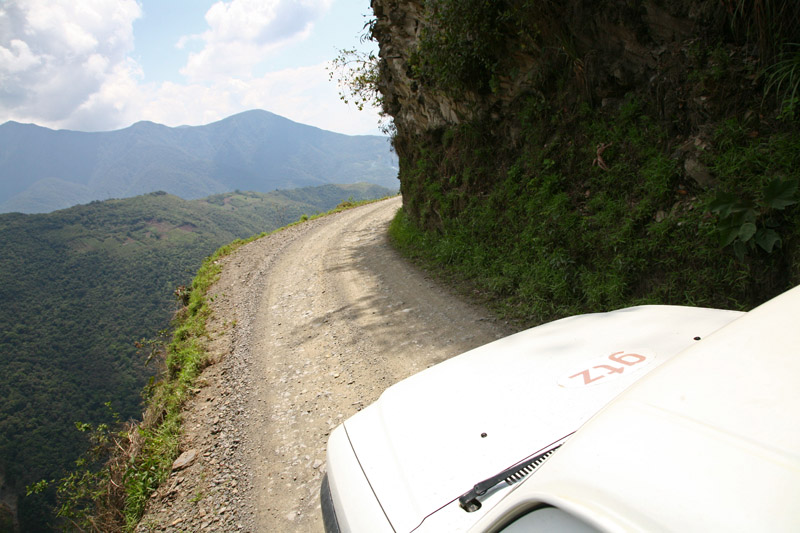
x=81, y=286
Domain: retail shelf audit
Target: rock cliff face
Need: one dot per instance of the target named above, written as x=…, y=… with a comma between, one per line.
x=582, y=155
x=612, y=46
x=681, y=58
x=414, y=107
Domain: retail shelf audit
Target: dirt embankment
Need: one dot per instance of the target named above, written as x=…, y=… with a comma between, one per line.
x=310, y=325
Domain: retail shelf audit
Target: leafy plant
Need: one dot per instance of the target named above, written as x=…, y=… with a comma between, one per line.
x=91, y=497
x=357, y=75
x=747, y=223
x=460, y=44
x=182, y=294
x=768, y=23
x=783, y=78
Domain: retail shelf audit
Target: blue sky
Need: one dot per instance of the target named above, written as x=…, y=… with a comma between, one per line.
x=96, y=65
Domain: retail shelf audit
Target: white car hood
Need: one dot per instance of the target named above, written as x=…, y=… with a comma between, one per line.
x=711, y=440
x=433, y=436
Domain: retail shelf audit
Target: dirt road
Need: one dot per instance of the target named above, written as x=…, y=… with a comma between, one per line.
x=312, y=324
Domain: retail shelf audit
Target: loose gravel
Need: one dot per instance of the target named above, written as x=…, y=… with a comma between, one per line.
x=309, y=326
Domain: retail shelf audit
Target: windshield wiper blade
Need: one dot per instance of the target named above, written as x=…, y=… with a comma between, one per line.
x=469, y=500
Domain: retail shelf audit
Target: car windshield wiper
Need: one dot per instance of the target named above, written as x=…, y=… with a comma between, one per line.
x=469, y=500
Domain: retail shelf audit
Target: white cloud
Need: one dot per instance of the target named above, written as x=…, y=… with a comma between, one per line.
x=242, y=33
x=302, y=94
x=115, y=104
x=56, y=54
x=67, y=64
x=18, y=57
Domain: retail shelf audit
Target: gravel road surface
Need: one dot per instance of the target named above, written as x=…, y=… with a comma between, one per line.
x=310, y=325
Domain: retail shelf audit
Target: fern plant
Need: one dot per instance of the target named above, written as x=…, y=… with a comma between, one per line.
x=783, y=78
x=746, y=224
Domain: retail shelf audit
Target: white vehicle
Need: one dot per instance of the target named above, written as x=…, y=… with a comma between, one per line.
x=652, y=418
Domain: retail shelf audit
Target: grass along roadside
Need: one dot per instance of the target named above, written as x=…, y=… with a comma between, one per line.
x=109, y=489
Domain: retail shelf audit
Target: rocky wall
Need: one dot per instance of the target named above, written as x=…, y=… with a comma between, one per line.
x=578, y=52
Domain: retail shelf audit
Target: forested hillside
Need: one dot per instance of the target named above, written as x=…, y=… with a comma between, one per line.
x=566, y=157
x=80, y=286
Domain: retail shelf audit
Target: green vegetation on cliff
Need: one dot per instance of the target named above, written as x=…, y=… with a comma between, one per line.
x=567, y=157
x=552, y=239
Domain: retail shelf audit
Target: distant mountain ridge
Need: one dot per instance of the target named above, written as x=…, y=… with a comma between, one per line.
x=42, y=170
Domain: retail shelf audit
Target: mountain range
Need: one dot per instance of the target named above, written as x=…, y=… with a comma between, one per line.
x=42, y=170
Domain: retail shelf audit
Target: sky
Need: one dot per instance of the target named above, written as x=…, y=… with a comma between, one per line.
x=100, y=65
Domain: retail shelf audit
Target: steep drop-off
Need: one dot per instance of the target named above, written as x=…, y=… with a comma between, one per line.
x=574, y=156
